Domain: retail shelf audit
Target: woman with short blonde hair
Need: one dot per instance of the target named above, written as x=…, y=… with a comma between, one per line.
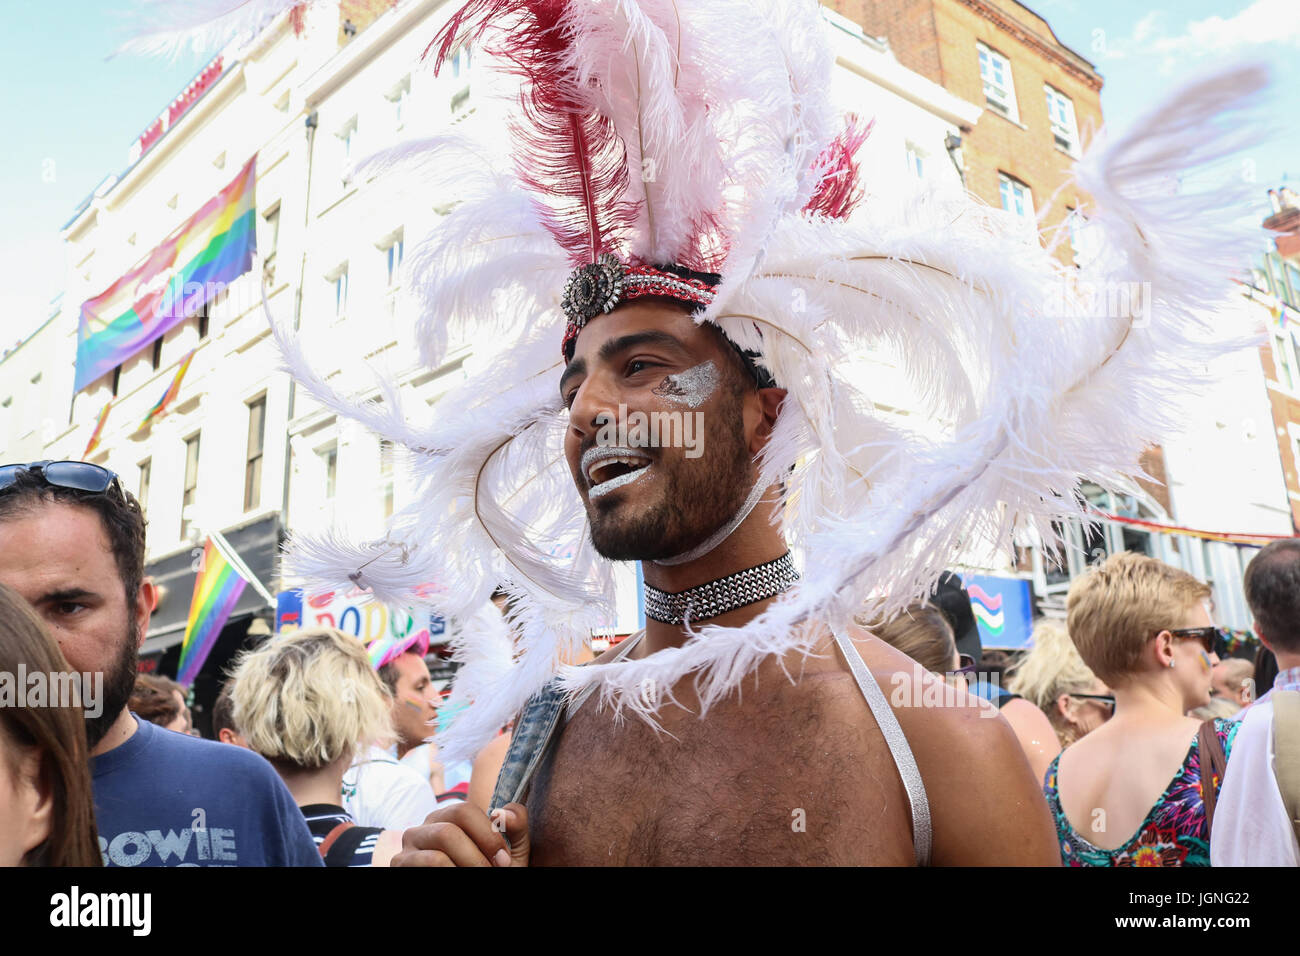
x=1134, y=791
x=307, y=701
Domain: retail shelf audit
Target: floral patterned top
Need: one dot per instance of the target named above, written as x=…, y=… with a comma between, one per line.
x=1174, y=831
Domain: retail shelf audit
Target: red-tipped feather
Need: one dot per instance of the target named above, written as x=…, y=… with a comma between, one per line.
x=839, y=190
x=566, y=152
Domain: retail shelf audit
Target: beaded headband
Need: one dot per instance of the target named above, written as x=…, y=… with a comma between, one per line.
x=596, y=289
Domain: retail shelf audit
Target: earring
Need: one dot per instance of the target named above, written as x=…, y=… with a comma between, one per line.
x=1171, y=663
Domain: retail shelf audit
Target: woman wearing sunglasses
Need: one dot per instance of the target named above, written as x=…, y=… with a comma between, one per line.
x=1133, y=792
x=1054, y=677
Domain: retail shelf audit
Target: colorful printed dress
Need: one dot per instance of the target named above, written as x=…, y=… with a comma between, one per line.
x=1174, y=831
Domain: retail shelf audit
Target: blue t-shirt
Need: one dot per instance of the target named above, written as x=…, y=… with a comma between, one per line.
x=168, y=799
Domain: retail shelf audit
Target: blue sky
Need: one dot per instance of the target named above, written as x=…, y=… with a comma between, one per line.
x=71, y=114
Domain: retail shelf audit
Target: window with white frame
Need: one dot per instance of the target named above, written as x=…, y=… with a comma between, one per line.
x=999, y=89
x=1284, y=357
x=916, y=160
x=400, y=97
x=338, y=280
x=1016, y=196
x=329, y=459
x=1060, y=111
x=394, y=252
x=348, y=142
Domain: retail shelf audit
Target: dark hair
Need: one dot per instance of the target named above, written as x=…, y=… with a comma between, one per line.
x=57, y=732
x=223, y=711
x=1265, y=671
x=122, y=520
x=153, y=699
x=1272, y=586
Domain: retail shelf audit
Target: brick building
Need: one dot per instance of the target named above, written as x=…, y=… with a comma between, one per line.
x=1276, y=286
x=1042, y=100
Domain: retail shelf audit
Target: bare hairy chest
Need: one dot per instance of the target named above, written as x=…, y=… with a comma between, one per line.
x=789, y=776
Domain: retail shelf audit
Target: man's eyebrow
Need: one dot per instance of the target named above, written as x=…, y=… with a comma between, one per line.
x=613, y=347
x=576, y=367
x=65, y=594
x=648, y=337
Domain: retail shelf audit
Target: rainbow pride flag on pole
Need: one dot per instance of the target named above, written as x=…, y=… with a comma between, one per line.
x=213, y=248
x=99, y=429
x=172, y=391
x=216, y=590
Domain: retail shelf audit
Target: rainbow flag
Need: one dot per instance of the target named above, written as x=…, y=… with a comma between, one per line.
x=216, y=590
x=172, y=390
x=213, y=248
x=99, y=428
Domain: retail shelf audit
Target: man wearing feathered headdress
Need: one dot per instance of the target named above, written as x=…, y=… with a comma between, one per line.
x=678, y=252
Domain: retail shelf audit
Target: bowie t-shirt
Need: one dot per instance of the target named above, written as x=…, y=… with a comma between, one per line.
x=168, y=799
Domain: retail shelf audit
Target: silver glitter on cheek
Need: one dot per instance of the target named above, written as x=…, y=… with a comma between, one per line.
x=692, y=387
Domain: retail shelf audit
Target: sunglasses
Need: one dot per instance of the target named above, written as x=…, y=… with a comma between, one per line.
x=1206, y=635
x=78, y=475
x=1105, y=700
x=967, y=665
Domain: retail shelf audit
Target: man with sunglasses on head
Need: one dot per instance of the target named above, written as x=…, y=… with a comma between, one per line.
x=72, y=543
x=1254, y=820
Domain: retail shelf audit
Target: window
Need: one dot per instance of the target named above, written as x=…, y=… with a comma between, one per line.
x=460, y=62
x=253, y=456
x=1060, y=111
x=393, y=255
x=1284, y=356
x=386, y=475
x=269, y=241
x=1016, y=196
x=915, y=161
x=142, y=495
x=999, y=90
x=190, y=493
x=340, y=281
x=329, y=457
x=348, y=139
x=157, y=353
x=400, y=97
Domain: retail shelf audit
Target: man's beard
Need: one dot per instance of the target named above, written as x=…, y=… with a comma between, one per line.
x=697, y=498
x=119, y=681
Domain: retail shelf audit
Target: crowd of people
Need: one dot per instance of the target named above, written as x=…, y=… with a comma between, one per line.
x=1151, y=750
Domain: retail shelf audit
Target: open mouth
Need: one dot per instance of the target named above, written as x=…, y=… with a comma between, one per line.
x=610, y=468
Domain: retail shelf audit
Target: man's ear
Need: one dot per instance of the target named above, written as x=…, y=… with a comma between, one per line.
x=1260, y=634
x=145, y=602
x=769, y=406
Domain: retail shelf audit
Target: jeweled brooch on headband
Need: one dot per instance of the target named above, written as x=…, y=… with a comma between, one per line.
x=596, y=289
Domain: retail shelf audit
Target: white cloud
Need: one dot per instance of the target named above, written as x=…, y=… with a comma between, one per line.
x=1262, y=22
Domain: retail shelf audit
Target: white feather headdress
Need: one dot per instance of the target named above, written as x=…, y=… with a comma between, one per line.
x=642, y=132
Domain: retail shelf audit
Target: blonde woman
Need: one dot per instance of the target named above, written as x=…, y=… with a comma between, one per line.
x=307, y=701
x=1054, y=678
x=1134, y=791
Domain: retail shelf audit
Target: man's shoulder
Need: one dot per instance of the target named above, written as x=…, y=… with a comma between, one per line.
x=186, y=754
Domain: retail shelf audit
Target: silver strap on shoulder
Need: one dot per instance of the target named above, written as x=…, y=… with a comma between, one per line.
x=898, y=747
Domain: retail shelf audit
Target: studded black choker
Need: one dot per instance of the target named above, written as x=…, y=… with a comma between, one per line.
x=715, y=598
